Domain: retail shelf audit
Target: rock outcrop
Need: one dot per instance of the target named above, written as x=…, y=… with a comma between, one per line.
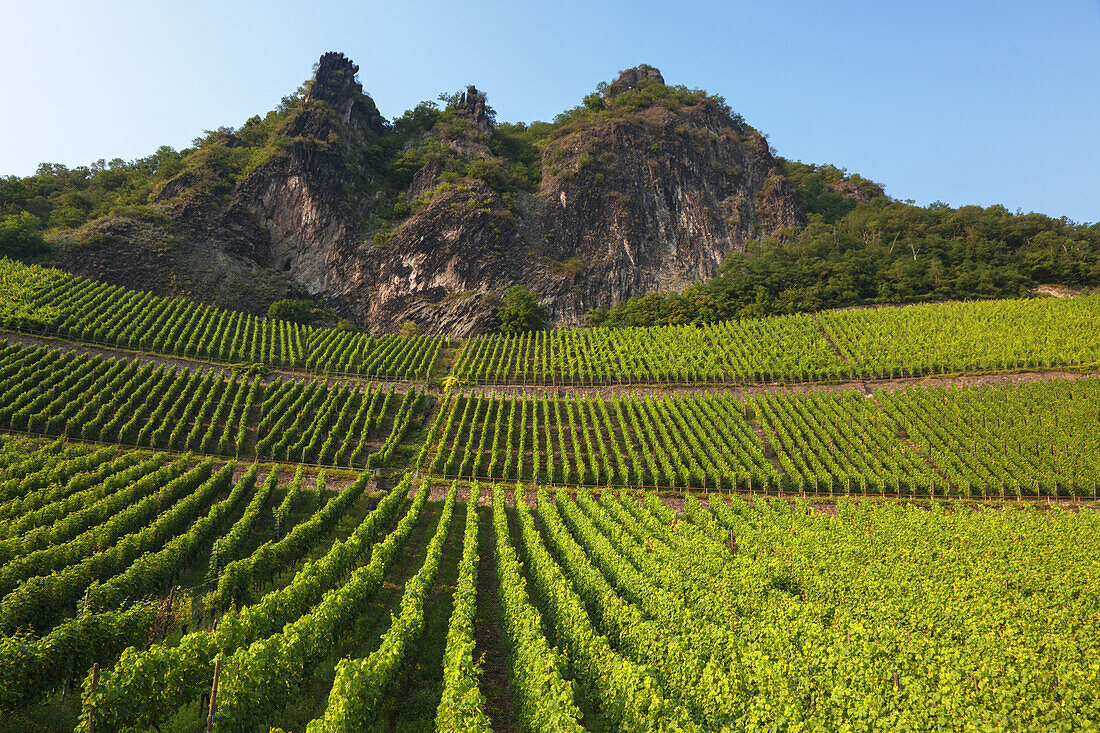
x=632, y=79
x=473, y=104
x=645, y=202
x=299, y=200
x=633, y=198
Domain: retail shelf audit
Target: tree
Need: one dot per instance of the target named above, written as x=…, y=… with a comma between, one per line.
x=594, y=102
x=21, y=235
x=299, y=311
x=520, y=311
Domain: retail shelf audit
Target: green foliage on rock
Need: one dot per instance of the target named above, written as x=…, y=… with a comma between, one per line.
x=520, y=311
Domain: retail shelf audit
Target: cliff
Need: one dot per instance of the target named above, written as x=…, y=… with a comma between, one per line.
x=644, y=188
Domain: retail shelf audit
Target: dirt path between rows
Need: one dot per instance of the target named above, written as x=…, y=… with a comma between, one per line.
x=829, y=338
x=749, y=390
x=490, y=648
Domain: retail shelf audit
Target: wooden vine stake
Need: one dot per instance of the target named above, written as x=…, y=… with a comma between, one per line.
x=213, y=695
x=91, y=689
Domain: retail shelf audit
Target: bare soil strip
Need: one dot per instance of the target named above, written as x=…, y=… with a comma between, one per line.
x=829, y=338
x=749, y=390
x=494, y=681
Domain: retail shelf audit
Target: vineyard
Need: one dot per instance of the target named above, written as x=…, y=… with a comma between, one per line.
x=1032, y=440
x=86, y=310
x=87, y=397
x=173, y=594
x=834, y=345
x=186, y=545
x=881, y=343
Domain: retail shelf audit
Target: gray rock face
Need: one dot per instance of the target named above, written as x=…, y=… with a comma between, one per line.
x=652, y=205
x=473, y=103
x=648, y=203
x=299, y=201
x=334, y=83
x=630, y=201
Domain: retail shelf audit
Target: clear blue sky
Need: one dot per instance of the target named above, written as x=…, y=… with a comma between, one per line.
x=965, y=102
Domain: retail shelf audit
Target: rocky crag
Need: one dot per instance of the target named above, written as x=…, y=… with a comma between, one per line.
x=645, y=188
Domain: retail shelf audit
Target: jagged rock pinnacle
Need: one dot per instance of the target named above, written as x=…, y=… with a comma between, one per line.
x=334, y=83
x=631, y=79
x=473, y=103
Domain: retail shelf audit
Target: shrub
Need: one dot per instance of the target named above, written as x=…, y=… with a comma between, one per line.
x=520, y=311
x=21, y=235
x=299, y=311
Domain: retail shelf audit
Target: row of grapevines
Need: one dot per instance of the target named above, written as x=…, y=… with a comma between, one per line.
x=109, y=489
x=39, y=601
x=123, y=401
x=259, y=679
x=159, y=487
x=462, y=706
x=1035, y=439
x=229, y=546
x=16, y=449
x=843, y=344
x=30, y=667
x=146, y=687
x=691, y=441
x=107, y=314
x=629, y=696
x=1026, y=440
x=156, y=571
x=361, y=685
x=239, y=579
x=994, y=335
x=47, y=477
x=814, y=622
x=281, y=513
x=402, y=421
x=860, y=619
x=539, y=672
x=620, y=597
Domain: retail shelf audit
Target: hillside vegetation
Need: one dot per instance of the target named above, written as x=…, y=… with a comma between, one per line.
x=863, y=248
x=543, y=205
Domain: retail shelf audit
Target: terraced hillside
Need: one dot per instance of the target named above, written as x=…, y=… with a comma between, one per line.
x=58, y=304
x=883, y=343
x=202, y=525
x=1032, y=440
